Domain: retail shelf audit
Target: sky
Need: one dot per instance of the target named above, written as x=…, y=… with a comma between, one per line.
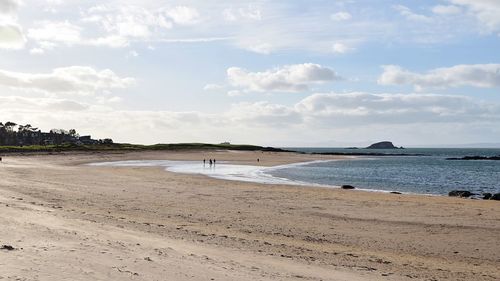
x=277, y=73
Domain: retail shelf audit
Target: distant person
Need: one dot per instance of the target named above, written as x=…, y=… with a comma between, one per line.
x=210, y=162
x=204, y=162
x=214, y=161
x=258, y=160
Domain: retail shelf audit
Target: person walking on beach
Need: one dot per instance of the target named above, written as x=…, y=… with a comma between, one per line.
x=214, y=161
x=204, y=162
x=210, y=162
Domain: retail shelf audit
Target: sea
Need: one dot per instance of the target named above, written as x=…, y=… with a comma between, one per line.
x=429, y=173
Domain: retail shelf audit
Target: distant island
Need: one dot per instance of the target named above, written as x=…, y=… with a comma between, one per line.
x=383, y=145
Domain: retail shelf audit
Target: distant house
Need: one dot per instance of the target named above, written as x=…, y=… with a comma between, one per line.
x=48, y=139
x=87, y=140
x=225, y=143
x=48, y=142
x=28, y=135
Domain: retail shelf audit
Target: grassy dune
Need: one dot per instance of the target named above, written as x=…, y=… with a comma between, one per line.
x=133, y=147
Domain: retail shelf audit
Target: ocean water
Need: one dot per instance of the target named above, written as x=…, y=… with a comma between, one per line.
x=429, y=174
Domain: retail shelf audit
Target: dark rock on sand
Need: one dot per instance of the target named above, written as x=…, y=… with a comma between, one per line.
x=346, y=186
x=460, y=193
x=487, y=196
x=7, y=248
x=495, y=196
x=383, y=145
x=395, y=192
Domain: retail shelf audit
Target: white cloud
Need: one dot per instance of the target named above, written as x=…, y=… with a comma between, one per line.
x=193, y=40
x=56, y=32
x=263, y=27
x=184, y=15
x=477, y=75
x=46, y=45
x=289, y=78
x=446, y=10
x=124, y=24
x=331, y=110
x=119, y=26
x=341, y=16
x=47, y=104
x=128, y=21
x=55, y=2
x=234, y=93
x=486, y=11
x=342, y=48
x=66, y=105
x=249, y=12
x=108, y=99
x=410, y=15
x=112, y=41
x=280, y=30
x=256, y=45
x=37, y=51
x=212, y=87
x=229, y=15
x=264, y=114
x=132, y=54
x=50, y=10
x=130, y=28
x=49, y=35
x=365, y=108
x=353, y=116
x=11, y=36
x=73, y=79
x=11, y=33
x=8, y=7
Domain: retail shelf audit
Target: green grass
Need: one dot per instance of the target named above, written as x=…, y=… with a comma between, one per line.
x=134, y=147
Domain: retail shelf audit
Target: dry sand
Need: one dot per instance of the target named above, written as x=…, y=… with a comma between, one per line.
x=68, y=221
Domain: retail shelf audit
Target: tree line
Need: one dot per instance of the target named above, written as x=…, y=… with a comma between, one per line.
x=12, y=134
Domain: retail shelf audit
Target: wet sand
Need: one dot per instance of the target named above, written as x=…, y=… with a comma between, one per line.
x=68, y=221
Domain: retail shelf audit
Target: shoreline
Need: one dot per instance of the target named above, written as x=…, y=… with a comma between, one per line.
x=255, y=176
x=243, y=173
x=67, y=221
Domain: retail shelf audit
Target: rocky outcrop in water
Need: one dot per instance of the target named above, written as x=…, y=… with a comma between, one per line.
x=495, y=196
x=346, y=186
x=476, y=158
x=368, y=154
x=383, y=145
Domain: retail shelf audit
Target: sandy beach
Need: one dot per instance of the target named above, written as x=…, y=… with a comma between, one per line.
x=70, y=221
